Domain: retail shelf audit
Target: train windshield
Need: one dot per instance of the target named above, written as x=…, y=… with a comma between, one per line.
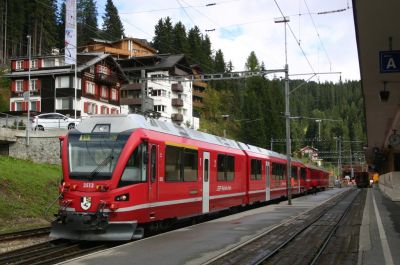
x=94, y=156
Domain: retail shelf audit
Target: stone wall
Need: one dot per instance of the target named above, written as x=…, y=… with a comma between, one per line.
x=44, y=147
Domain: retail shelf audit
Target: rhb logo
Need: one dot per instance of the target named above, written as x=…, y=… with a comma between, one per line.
x=86, y=202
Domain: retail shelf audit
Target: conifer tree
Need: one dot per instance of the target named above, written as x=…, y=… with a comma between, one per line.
x=219, y=62
x=112, y=25
x=87, y=21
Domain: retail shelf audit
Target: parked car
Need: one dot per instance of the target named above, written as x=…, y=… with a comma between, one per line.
x=50, y=121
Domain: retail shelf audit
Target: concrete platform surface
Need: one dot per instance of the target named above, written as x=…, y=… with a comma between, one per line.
x=201, y=243
x=380, y=230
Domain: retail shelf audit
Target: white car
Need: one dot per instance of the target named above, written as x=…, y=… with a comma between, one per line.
x=48, y=121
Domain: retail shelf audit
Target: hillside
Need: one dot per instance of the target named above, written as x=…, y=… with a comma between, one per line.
x=26, y=190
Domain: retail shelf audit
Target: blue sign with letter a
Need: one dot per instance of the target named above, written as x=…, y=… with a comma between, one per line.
x=389, y=61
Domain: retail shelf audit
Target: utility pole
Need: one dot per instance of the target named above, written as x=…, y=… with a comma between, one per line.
x=285, y=20
x=144, y=82
x=29, y=90
x=340, y=156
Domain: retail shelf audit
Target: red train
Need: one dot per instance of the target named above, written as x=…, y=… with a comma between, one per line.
x=122, y=173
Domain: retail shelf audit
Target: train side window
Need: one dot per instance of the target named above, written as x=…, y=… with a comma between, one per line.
x=294, y=172
x=153, y=163
x=255, y=169
x=190, y=165
x=230, y=169
x=173, y=161
x=135, y=169
x=225, y=168
x=221, y=167
x=303, y=173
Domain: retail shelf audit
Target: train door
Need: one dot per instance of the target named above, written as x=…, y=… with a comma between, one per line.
x=153, y=181
x=206, y=182
x=268, y=184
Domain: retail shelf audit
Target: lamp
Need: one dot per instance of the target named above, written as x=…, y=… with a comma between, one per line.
x=384, y=94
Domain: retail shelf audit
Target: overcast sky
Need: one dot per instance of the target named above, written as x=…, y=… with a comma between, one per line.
x=242, y=26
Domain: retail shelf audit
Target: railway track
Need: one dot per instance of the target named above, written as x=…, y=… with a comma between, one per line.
x=24, y=234
x=51, y=252
x=301, y=240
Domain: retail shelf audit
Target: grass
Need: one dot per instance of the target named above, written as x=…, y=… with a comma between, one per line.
x=26, y=191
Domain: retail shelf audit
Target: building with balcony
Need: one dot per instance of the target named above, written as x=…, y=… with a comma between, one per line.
x=167, y=89
x=123, y=48
x=199, y=88
x=52, y=85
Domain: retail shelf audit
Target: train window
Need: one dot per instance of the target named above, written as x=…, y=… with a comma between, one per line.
x=255, y=169
x=135, y=169
x=294, y=172
x=173, y=158
x=190, y=165
x=230, y=168
x=303, y=173
x=153, y=158
x=278, y=171
x=180, y=164
x=225, y=167
x=221, y=167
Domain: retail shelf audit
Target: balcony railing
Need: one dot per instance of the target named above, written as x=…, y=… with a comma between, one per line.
x=130, y=101
x=105, y=79
x=177, y=117
x=177, y=102
x=177, y=88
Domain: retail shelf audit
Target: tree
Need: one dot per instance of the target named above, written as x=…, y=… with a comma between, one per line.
x=86, y=21
x=252, y=63
x=219, y=62
x=112, y=25
x=180, y=40
x=163, y=36
x=61, y=26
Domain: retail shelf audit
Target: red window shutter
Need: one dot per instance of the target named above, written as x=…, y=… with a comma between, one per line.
x=12, y=106
x=24, y=106
x=85, y=107
x=38, y=84
x=96, y=112
x=13, y=65
x=26, y=64
x=26, y=82
x=96, y=89
x=38, y=105
x=13, y=86
x=39, y=63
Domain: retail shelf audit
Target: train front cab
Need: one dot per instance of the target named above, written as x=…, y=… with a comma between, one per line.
x=104, y=182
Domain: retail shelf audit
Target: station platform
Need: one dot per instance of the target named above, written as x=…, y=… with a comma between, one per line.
x=201, y=243
x=380, y=230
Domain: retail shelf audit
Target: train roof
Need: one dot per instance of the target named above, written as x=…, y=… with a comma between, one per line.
x=121, y=123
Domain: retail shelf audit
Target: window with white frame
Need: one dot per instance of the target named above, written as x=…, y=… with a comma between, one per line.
x=18, y=105
x=90, y=87
x=62, y=81
x=33, y=106
x=19, y=65
x=33, y=64
x=63, y=103
x=103, y=92
x=113, y=94
x=19, y=85
x=91, y=108
x=159, y=108
x=33, y=84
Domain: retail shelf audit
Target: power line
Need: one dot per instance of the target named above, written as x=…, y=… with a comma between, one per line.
x=316, y=30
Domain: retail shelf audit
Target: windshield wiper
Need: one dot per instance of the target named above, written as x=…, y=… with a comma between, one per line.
x=102, y=164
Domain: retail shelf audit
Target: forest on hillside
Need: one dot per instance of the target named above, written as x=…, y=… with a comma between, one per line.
x=250, y=110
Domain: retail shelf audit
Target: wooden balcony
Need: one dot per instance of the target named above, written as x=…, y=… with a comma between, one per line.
x=178, y=88
x=177, y=117
x=133, y=86
x=198, y=93
x=177, y=102
x=198, y=104
x=130, y=101
x=105, y=79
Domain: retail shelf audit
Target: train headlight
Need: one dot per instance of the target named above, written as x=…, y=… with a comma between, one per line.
x=123, y=197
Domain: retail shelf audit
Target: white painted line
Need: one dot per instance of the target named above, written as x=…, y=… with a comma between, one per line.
x=384, y=242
